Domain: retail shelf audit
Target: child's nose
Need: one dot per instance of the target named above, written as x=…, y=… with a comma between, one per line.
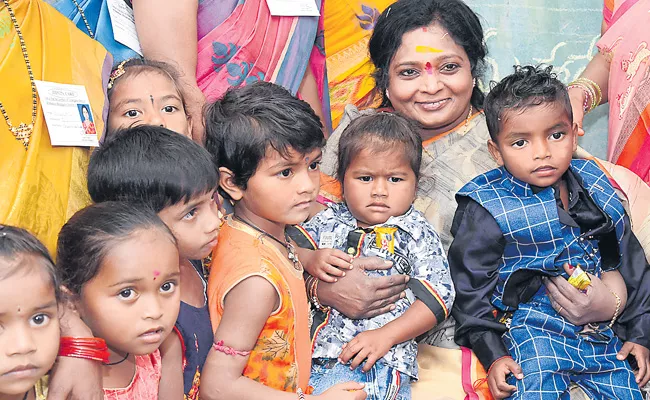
x=379, y=188
x=156, y=119
x=21, y=341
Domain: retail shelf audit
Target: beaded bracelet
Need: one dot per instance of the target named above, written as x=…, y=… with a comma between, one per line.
x=86, y=348
x=617, y=311
x=312, y=294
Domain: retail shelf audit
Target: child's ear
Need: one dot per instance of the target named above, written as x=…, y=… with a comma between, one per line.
x=69, y=301
x=190, y=125
x=493, y=148
x=574, y=129
x=227, y=183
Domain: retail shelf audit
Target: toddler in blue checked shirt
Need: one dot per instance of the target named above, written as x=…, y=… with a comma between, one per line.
x=378, y=165
x=540, y=214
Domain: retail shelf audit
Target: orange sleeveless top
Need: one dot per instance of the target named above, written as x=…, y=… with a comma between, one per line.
x=281, y=358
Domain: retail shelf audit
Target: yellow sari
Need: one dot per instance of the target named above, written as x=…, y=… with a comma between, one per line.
x=41, y=187
x=348, y=26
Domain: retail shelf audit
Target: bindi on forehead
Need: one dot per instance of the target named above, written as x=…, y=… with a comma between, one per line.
x=151, y=98
x=429, y=68
x=156, y=274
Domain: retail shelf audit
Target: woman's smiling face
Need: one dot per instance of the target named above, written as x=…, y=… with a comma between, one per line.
x=430, y=79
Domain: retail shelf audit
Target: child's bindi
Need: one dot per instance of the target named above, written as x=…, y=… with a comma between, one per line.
x=156, y=274
x=424, y=29
x=151, y=98
x=429, y=68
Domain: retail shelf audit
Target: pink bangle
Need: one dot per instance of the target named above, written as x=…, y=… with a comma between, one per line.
x=218, y=346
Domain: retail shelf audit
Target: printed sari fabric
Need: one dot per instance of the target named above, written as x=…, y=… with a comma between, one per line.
x=627, y=48
x=250, y=45
x=41, y=187
x=348, y=26
x=99, y=20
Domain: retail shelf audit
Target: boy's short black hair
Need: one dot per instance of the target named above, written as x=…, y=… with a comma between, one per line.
x=248, y=120
x=87, y=238
x=527, y=86
x=380, y=133
x=151, y=165
x=15, y=243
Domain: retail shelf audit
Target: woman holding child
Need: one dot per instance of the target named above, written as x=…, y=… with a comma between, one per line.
x=427, y=58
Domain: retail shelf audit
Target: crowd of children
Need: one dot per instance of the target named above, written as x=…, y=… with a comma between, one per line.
x=133, y=266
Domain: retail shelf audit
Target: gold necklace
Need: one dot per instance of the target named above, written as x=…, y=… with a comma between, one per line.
x=83, y=17
x=21, y=132
x=469, y=115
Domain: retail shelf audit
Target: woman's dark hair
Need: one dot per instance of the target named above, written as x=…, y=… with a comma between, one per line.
x=136, y=66
x=379, y=133
x=15, y=243
x=87, y=238
x=152, y=165
x=404, y=16
x=528, y=86
x=248, y=120
x=85, y=107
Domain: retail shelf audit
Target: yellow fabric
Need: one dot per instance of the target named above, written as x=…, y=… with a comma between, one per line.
x=42, y=187
x=348, y=26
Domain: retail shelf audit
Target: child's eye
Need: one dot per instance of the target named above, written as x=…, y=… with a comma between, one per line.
x=126, y=294
x=167, y=287
x=314, y=166
x=365, y=178
x=169, y=109
x=285, y=173
x=190, y=215
x=557, y=135
x=394, y=179
x=519, y=144
x=132, y=113
x=40, y=319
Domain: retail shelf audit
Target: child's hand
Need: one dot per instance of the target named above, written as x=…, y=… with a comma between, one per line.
x=369, y=345
x=497, y=377
x=343, y=391
x=328, y=264
x=642, y=355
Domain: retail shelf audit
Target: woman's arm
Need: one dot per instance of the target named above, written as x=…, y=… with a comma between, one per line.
x=598, y=71
x=167, y=32
x=171, y=385
x=246, y=308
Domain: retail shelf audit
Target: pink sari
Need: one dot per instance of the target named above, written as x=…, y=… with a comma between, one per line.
x=251, y=45
x=625, y=43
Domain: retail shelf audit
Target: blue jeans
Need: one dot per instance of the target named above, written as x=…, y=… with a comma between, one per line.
x=381, y=382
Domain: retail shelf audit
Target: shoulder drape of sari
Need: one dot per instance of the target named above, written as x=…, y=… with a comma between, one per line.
x=628, y=48
x=96, y=13
x=43, y=186
x=251, y=45
x=348, y=26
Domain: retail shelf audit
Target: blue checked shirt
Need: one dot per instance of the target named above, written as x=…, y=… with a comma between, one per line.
x=418, y=253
